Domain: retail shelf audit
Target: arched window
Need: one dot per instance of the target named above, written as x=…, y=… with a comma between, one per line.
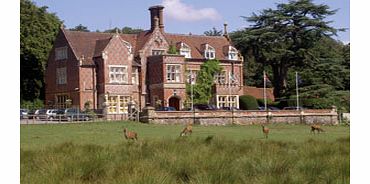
x=209, y=52
x=185, y=50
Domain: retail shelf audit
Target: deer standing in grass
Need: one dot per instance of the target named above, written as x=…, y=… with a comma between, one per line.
x=187, y=130
x=316, y=128
x=265, y=131
x=129, y=134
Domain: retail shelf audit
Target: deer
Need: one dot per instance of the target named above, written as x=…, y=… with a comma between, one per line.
x=265, y=130
x=316, y=128
x=187, y=130
x=129, y=134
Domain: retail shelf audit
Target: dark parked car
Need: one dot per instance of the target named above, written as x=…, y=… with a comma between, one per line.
x=166, y=109
x=72, y=115
x=293, y=108
x=204, y=107
x=229, y=108
x=32, y=114
x=269, y=108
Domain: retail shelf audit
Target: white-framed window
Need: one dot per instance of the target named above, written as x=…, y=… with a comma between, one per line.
x=209, y=52
x=135, y=75
x=233, y=53
x=118, y=104
x=61, y=75
x=118, y=74
x=185, y=50
x=191, y=75
x=227, y=101
x=157, y=52
x=61, y=53
x=220, y=78
x=173, y=73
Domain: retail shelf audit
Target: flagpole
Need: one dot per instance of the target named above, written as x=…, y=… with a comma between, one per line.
x=191, y=86
x=264, y=89
x=296, y=85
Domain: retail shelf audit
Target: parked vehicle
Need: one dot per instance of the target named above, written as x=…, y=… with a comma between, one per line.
x=204, y=107
x=166, y=109
x=262, y=108
x=41, y=114
x=293, y=108
x=73, y=115
x=229, y=108
x=32, y=114
x=51, y=114
x=23, y=113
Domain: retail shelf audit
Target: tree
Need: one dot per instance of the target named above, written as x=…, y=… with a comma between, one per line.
x=172, y=50
x=124, y=30
x=80, y=27
x=38, y=30
x=213, y=32
x=281, y=38
x=204, y=82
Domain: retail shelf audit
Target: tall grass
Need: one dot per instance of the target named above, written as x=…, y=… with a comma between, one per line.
x=211, y=159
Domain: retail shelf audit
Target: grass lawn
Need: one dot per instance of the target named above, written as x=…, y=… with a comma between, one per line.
x=98, y=153
x=105, y=133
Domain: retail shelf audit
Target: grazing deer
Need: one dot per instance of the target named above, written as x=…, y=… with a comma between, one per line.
x=129, y=134
x=316, y=128
x=265, y=130
x=187, y=130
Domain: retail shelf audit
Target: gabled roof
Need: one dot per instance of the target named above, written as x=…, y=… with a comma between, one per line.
x=91, y=44
x=196, y=41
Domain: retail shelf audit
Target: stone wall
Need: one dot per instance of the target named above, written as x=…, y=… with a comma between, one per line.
x=240, y=117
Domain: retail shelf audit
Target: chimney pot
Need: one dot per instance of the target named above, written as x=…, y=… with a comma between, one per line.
x=156, y=11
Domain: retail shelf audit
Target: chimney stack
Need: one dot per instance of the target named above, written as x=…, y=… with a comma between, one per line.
x=156, y=11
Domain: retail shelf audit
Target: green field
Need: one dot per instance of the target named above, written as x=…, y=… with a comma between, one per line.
x=97, y=153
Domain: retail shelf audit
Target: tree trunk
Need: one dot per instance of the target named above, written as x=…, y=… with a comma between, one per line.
x=280, y=84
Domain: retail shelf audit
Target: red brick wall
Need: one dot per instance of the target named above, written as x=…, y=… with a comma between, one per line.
x=51, y=87
x=258, y=92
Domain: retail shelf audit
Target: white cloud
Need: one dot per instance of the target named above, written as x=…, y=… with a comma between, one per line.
x=177, y=10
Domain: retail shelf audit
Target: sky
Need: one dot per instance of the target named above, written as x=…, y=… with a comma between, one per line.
x=180, y=16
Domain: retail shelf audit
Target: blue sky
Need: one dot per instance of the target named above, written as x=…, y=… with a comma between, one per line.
x=181, y=16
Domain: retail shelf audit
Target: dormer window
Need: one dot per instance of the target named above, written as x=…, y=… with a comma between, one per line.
x=233, y=53
x=209, y=52
x=185, y=50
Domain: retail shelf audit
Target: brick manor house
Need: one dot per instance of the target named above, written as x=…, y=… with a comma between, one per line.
x=112, y=70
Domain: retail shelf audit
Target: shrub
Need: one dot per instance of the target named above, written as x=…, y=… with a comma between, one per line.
x=248, y=102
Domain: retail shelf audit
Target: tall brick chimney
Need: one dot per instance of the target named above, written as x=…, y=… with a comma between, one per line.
x=156, y=11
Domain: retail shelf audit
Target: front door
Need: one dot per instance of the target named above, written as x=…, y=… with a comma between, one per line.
x=174, y=102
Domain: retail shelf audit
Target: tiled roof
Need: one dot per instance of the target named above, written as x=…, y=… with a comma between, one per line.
x=196, y=41
x=91, y=44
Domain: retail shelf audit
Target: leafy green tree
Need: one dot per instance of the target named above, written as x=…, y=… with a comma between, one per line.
x=80, y=27
x=213, y=32
x=281, y=37
x=124, y=30
x=172, y=50
x=204, y=82
x=38, y=30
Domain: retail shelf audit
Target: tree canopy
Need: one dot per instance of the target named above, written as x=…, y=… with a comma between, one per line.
x=124, y=30
x=281, y=37
x=80, y=27
x=38, y=29
x=295, y=37
x=204, y=82
x=213, y=32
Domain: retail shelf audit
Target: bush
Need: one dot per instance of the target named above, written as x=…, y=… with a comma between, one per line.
x=248, y=102
x=36, y=104
x=261, y=102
